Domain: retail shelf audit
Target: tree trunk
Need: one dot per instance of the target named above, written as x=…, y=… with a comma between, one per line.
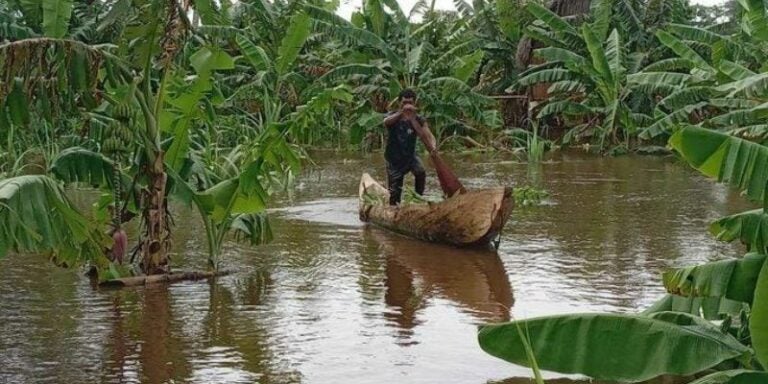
x=156, y=242
x=164, y=278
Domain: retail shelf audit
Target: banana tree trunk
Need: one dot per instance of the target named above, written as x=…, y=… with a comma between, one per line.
x=156, y=242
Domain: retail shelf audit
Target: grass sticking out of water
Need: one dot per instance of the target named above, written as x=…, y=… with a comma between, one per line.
x=535, y=145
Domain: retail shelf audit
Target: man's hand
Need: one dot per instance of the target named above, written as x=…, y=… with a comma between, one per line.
x=409, y=111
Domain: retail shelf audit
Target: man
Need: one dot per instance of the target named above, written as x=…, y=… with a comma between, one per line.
x=403, y=127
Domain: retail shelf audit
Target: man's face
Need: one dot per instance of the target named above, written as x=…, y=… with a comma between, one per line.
x=407, y=100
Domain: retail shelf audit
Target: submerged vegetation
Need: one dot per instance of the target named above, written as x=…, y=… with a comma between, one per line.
x=211, y=104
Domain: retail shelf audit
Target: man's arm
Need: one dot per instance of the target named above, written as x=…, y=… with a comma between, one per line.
x=392, y=119
x=422, y=129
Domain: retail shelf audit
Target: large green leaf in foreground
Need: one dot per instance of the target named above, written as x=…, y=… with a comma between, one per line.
x=733, y=279
x=758, y=322
x=736, y=162
x=612, y=347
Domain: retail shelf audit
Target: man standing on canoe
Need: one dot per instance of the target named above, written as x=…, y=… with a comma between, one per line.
x=403, y=127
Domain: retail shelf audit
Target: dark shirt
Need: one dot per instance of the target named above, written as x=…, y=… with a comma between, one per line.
x=401, y=142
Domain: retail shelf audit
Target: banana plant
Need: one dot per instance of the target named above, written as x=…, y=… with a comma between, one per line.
x=586, y=68
x=715, y=81
x=407, y=59
x=668, y=338
x=156, y=91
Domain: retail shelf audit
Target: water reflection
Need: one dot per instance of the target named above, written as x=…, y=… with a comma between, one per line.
x=473, y=280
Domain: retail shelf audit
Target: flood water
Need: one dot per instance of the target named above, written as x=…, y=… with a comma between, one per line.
x=334, y=301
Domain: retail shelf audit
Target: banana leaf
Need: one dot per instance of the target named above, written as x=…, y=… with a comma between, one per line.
x=732, y=279
x=758, y=321
x=613, y=347
x=736, y=376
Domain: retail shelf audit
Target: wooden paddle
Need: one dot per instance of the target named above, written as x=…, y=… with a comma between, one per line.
x=449, y=183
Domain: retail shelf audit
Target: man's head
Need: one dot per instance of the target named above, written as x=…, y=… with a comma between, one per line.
x=407, y=96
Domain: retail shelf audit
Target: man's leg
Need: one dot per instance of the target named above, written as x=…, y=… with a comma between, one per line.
x=395, y=184
x=417, y=168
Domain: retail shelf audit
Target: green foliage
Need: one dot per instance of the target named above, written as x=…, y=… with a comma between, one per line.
x=36, y=216
x=529, y=196
x=613, y=347
x=79, y=165
x=750, y=227
x=728, y=159
x=292, y=43
x=56, y=15
x=758, y=322
x=733, y=279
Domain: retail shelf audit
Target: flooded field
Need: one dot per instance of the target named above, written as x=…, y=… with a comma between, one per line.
x=332, y=300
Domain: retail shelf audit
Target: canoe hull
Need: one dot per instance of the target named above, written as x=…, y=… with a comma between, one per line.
x=474, y=218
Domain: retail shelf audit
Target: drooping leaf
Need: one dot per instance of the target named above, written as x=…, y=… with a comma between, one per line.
x=686, y=96
x=758, y=321
x=734, y=161
x=564, y=107
x=36, y=216
x=79, y=165
x=694, y=33
x=546, y=76
x=739, y=117
x=450, y=55
x=566, y=87
x=671, y=64
x=683, y=50
x=554, y=21
x=611, y=347
x=256, y=55
x=672, y=78
x=361, y=36
x=670, y=121
x=750, y=227
x=752, y=86
x=349, y=70
x=734, y=70
x=570, y=59
x=732, y=279
x=254, y=227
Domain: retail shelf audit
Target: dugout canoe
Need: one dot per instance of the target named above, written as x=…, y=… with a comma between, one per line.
x=473, y=218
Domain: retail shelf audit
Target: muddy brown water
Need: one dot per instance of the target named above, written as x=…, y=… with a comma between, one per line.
x=334, y=301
